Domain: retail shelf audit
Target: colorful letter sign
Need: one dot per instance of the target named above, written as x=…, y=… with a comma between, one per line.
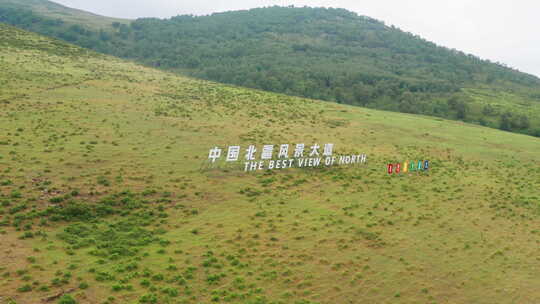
x=408, y=167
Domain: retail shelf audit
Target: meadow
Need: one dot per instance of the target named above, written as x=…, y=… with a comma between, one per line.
x=56, y=11
x=106, y=194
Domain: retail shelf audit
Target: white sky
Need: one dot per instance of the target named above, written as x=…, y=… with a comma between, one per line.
x=503, y=31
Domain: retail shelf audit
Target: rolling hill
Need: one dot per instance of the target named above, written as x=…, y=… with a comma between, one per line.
x=55, y=11
x=107, y=196
x=328, y=54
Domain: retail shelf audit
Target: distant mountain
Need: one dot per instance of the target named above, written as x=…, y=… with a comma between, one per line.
x=54, y=10
x=328, y=54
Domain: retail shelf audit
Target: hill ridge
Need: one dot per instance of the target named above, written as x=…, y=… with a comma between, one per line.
x=57, y=11
x=329, y=54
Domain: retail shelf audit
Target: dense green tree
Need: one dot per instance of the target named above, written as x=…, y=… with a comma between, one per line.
x=506, y=121
x=522, y=122
x=488, y=110
x=459, y=106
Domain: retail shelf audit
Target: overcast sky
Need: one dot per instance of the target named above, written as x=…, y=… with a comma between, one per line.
x=503, y=31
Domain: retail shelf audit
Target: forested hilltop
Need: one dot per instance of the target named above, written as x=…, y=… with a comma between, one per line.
x=328, y=54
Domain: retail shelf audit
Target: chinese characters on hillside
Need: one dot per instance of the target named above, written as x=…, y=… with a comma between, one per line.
x=271, y=157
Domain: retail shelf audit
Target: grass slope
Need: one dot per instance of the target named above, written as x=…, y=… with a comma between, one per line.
x=327, y=54
x=57, y=11
x=102, y=198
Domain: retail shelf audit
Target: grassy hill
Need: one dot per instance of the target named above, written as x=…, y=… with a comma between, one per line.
x=328, y=54
x=69, y=15
x=104, y=197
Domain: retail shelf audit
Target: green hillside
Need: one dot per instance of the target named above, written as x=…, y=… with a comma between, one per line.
x=328, y=54
x=55, y=11
x=106, y=195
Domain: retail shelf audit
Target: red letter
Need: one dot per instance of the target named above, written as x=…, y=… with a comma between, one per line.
x=390, y=168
